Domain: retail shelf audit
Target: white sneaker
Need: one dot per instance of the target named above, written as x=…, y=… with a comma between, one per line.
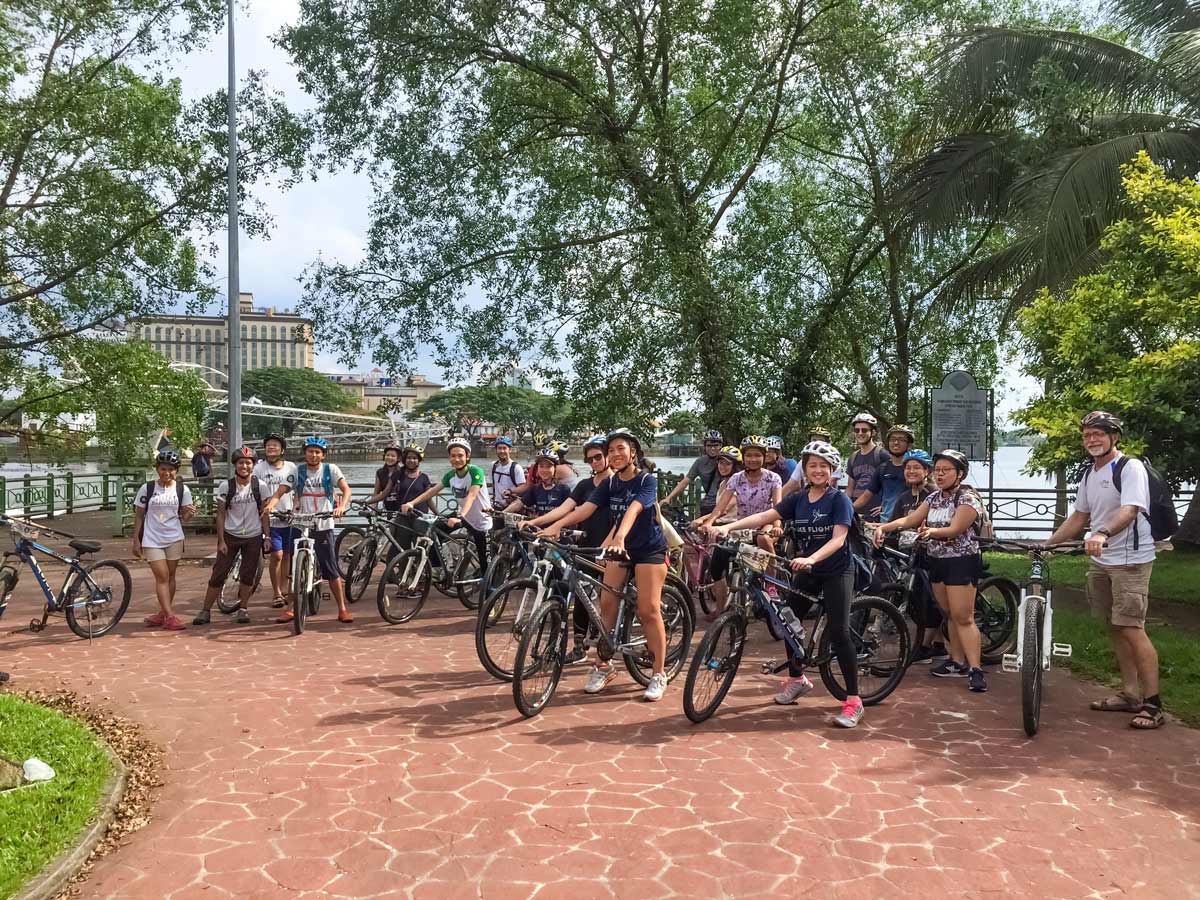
x=852, y=713
x=656, y=688
x=793, y=689
x=599, y=679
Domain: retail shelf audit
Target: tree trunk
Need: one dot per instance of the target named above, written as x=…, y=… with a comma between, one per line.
x=1189, y=528
x=1060, y=495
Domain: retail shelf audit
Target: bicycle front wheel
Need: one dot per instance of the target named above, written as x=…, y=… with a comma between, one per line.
x=98, y=598
x=300, y=592
x=679, y=623
x=359, y=568
x=402, y=589
x=500, y=624
x=466, y=581
x=347, y=539
x=1031, y=664
x=714, y=666
x=880, y=641
x=227, y=601
x=538, y=664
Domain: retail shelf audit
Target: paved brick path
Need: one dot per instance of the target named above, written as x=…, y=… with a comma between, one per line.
x=381, y=761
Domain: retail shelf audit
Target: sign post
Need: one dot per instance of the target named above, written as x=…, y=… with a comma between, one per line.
x=961, y=415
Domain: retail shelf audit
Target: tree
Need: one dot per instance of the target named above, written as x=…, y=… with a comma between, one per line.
x=1032, y=125
x=1127, y=338
x=683, y=421
x=516, y=410
x=297, y=388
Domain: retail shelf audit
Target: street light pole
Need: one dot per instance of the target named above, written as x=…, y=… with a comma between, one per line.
x=234, y=317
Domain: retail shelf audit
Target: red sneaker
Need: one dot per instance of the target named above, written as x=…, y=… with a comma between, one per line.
x=156, y=620
x=173, y=623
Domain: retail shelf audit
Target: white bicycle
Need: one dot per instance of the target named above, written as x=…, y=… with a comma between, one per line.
x=306, y=571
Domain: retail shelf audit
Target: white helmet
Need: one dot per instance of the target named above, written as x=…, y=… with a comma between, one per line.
x=822, y=450
x=865, y=417
x=459, y=442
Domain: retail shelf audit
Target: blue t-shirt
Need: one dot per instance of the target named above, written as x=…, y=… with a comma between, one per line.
x=617, y=495
x=539, y=500
x=889, y=478
x=813, y=523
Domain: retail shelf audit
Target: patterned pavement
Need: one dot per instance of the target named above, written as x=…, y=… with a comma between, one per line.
x=369, y=760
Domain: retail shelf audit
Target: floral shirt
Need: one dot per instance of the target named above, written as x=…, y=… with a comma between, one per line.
x=941, y=511
x=753, y=498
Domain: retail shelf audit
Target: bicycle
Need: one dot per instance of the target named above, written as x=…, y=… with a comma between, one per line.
x=306, y=581
x=405, y=583
x=542, y=651
x=876, y=627
x=229, y=600
x=365, y=553
x=509, y=558
x=93, y=597
x=1035, y=642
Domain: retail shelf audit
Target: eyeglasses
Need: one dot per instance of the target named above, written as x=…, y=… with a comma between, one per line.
x=862, y=430
x=943, y=470
x=597, y=458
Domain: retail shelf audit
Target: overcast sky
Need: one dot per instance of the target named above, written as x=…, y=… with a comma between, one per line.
x=329, y=216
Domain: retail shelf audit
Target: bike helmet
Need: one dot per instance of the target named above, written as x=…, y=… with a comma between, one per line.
x=318, y=442
x=865, y=417
x=754, y=442
x=503, y=441
x=412, y=448
x=733, y=454
x=242, y=453
x=459, y=442
x=775, y=442
x=546, y=453
x=627, y=435
x=393, y=448
x=559, y=448
x=712, y=436
x=822, y=450
x=168, y=456
x=904, y=430
x=957, y=458
x=275, y=436
x=596, y=440
x=1105, y=421
x=821, y=432
x=920, y=456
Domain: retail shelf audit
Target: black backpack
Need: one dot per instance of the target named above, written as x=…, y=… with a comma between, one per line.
x=231, y=489
x=1163, y=519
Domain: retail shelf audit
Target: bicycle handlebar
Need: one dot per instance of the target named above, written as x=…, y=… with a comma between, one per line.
x=1063, y=547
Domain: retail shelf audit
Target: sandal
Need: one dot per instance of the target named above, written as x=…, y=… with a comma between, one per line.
x=278, y=602
x=1148, y=718
x=1119, y=702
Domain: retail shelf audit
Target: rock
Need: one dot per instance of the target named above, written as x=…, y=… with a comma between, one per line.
x=36, y=770
x=10, y=775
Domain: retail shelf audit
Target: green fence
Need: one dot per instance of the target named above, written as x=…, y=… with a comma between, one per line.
x=60, y=493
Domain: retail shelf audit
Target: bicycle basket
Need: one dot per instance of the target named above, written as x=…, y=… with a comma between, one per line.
x=753, y=558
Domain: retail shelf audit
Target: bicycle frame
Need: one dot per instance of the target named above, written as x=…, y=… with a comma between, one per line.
x=1036, y=590
x=750, y=583
x=25, y=548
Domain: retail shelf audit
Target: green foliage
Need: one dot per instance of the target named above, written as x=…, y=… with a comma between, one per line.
x=516, y=411
x=1127, y=339
x=684, y=421
x=297, y=388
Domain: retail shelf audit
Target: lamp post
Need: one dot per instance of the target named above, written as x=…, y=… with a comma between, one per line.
x=234, y=317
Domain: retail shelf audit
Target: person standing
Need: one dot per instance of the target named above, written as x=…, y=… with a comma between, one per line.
x=506, y=473
x=864, y=465
x=276, y=472
x=705, y=469
x=161, y=508
x=242, y=526
x=408, y=483
x=1113, y=506
x=466, y=482
x=202, y=462
x=888, y=483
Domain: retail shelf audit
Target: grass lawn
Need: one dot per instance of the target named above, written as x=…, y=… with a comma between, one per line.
x=37, y=822
x=1176, y=575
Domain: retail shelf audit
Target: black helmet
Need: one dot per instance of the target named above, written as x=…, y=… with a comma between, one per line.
x=627, y=435
x=168, y=456
x=957, y=458
x=393, y=448
x=1105, y=421
x=275, y=436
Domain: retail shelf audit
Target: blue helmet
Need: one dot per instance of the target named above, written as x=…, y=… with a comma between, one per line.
x=920, y=456
x=595, y=440
x=503, y=440
x=712, y=436
x=313, y=441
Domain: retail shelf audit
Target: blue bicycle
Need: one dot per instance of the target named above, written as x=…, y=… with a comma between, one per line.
x=93, y=597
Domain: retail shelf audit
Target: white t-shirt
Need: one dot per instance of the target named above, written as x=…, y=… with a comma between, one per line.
x=163, y=525
x=242, y=518
x=505, y=478
x=476, y=516
x=314, y=499
x=272, y=477
x=1099, y=499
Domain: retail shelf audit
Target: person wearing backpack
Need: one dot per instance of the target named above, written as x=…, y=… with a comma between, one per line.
x=507, y=474
x=1115, y=507
x=160, y=509
x=242, y=525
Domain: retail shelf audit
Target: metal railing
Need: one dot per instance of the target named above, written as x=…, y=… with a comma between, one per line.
x=55, y=494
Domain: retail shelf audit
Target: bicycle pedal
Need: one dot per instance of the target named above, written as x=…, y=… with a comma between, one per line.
x=1060, y=649
x=1010, y=663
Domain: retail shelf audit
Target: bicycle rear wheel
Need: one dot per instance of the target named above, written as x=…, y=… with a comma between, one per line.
x=402, y=591
x=538, y=664
x=359, y=568
x=880, y=639
x=1031, y=664
x=300, y=591
x=498, y=571
x=680, y=625
x=497, y=629
x=467, y=576
x=98, y=598
x=714, y=666
x=996, y=602
x=227, y=601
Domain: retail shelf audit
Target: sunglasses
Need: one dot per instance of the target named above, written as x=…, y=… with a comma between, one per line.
x=862, y=430
x=595, y=458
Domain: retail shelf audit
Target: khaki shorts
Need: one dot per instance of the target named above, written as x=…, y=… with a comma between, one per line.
x=170, y=552
x=1120, y=594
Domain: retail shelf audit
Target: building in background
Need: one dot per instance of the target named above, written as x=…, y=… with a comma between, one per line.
x=372, y=390
x=270, y=338
x=511, y=375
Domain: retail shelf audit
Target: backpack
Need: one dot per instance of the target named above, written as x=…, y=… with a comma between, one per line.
x=231, y=488
x=511, y=475
x=1163, y=519
x=148, y=487
x=982, y=526
x=326, y=481
x=201, y=467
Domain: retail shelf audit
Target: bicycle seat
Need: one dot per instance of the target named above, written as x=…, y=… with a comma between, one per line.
x=85, y=546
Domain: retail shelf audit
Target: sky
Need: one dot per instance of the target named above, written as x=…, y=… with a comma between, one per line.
x=329, y=216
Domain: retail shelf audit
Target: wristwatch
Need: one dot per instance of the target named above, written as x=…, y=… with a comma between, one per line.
x=1103, y=531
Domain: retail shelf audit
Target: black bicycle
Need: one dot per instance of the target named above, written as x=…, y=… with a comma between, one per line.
x=438, y=556
x=880, y=636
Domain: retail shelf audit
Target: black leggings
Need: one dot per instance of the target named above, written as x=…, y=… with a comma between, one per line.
x=835, y=591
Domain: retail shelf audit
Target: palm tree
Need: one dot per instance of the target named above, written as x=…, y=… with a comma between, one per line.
x=1030, y=127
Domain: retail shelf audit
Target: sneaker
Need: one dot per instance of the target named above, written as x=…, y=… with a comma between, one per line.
x=656, y=688
x=852, y=713
x=243, y=616
x=156, y=620
x=977, y=681
x=202, y=618
x=599, y=679
x=577, y=655
x=949, y=669
x=173, y=623
x=792, y=689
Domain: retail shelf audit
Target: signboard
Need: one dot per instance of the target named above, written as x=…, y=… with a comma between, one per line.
x=959, y=410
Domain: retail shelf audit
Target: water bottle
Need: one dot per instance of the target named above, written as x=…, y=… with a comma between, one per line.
x=793, y=624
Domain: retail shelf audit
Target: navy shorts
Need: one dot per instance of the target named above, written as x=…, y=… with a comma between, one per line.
x=326, y=557
x=955, y=571
x=648, y=556
x=282, y=539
